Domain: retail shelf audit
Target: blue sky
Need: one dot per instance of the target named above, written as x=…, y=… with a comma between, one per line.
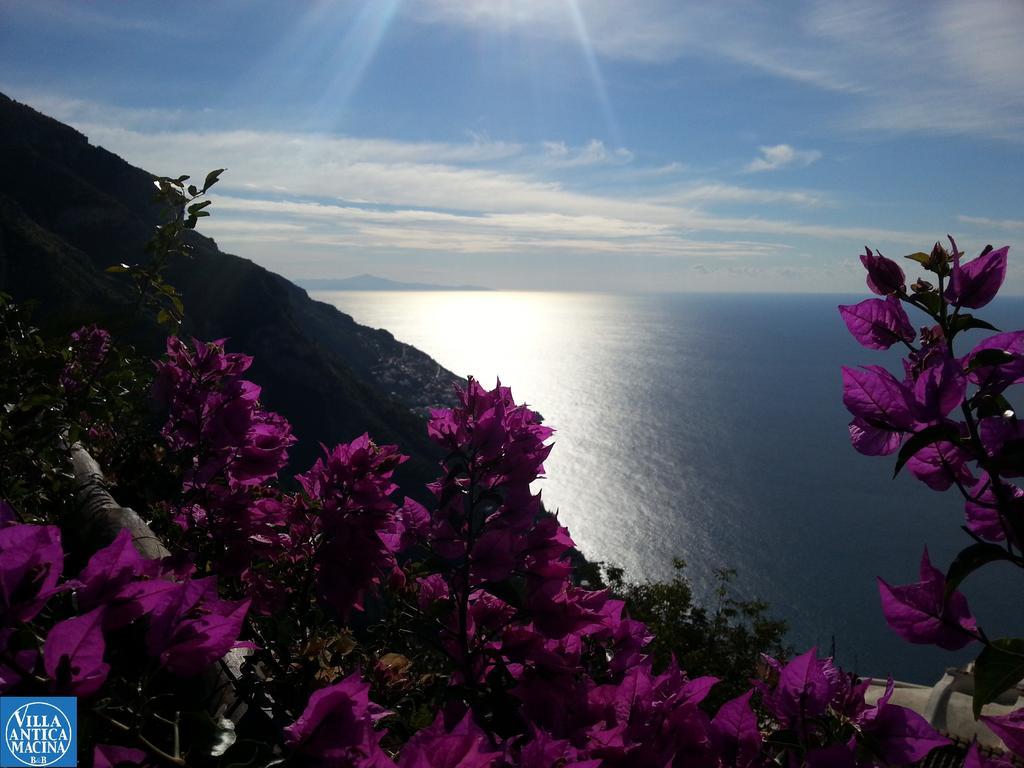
x=641, y=145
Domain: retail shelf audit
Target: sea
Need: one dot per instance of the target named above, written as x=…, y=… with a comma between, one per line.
x=710, y=427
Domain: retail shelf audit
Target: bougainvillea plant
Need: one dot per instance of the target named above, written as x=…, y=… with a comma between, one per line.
x=950, y=423
x=330, y=622
x=532, y=669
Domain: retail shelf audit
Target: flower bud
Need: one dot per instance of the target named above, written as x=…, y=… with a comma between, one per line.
x=884, y=275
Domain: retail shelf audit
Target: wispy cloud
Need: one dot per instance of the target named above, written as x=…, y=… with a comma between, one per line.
x=710, y=193
x=593, y=152
x=944, y=67
x=1008, y=225
x=289, y=193
x=781, y=156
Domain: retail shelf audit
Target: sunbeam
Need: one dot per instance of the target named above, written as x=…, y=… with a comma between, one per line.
x=349, y=59
x=587, y=48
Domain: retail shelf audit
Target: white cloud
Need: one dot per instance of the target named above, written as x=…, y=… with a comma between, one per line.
x=943, y=67
x=1009, y=225
x=594, y=152
x=287, y=195
x=781, y=156
x=653, y=30
x=728, y=193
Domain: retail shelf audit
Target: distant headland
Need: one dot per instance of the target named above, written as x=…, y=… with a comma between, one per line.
x=374, y=283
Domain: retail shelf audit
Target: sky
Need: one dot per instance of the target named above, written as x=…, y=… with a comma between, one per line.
x=648, y=145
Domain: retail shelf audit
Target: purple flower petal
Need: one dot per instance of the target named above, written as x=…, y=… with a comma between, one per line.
x=735, y=734
x=940, y=464
x=899, y=735
x=337, y=726
x=878, y=323
x=110, y=756
x=803, y=689
x=884, y=275
x=877, y=397
x=996, y=378
x=873, y=441
x=1009, y=728
x=31, y=562
x=465, y=746
x=976, y=283
x=109, y=570
x=919, y=614
x=73, y=654
x=939, y=389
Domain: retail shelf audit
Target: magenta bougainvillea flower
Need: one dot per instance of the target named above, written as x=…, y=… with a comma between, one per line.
x=884, y=275
x=109, y=570
x=983, y=513
x=211, y=406
x=920, y=613
x=73, y=654
x=110, y=756
x=349, y=491
x=196, y=642
x=878, y=323
x=336, y=727
x=803, y=689
x=189, y=625
x=464, y=746
x=735, y=732
x=90, y=347
x=878, y=397
x=941, y=464
x=1009, y=728
x=996, y=376
x=881, y=407
x=31, y=563
x=976, y=283
x=938, y=389
x=808, y=691
x=897, y=735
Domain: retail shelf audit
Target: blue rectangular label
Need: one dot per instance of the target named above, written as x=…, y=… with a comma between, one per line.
x=38, y=730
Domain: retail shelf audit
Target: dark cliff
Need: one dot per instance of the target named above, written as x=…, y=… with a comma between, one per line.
x=69, y=209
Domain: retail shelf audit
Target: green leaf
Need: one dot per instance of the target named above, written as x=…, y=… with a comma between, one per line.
x=920, y=257
x=971, y=559
x=937, y=433
x=930, y=302
x=212, y=178
x=999, y=666
x=195, y=207
x=967, y=322
x=989, y=357
x=116, y=268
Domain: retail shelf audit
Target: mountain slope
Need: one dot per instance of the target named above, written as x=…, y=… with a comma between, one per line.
x=69, y=209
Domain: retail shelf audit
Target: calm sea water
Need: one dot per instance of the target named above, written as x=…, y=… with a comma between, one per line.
x=711, y=428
